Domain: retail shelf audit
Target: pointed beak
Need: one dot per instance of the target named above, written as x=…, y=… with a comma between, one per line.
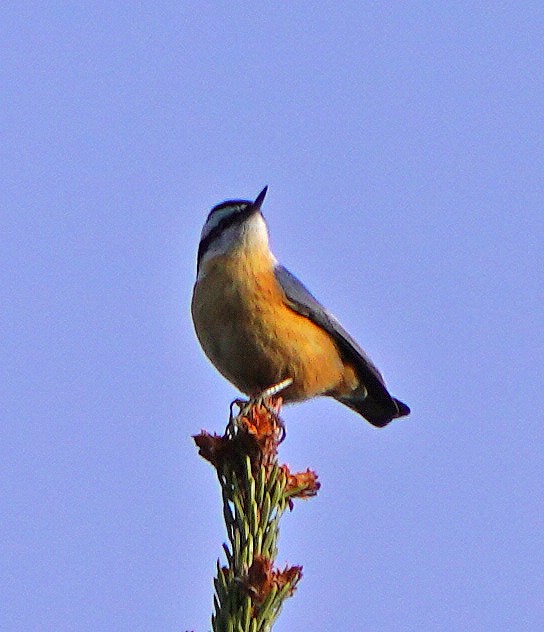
x=256, y=206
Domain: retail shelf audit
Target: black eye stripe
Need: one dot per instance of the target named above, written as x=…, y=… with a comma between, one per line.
x=217, y=230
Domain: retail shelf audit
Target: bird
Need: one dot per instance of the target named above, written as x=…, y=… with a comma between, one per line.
x=265, y=332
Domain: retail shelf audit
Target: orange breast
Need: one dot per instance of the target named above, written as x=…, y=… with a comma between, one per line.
x=253, y=338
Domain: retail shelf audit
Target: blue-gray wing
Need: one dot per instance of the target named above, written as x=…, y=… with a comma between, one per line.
x=302, y=301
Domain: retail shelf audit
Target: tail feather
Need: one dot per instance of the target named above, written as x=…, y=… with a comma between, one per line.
x=402, y=408
x=378, y=413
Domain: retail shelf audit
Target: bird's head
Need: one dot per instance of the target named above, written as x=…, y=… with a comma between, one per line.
x=232, y=225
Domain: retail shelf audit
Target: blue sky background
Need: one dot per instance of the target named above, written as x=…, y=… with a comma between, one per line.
x=403, y=147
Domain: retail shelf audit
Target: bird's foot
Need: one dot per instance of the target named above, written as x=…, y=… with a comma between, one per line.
x=267, y=400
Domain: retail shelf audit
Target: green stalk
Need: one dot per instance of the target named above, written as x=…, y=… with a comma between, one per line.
x=256, y=490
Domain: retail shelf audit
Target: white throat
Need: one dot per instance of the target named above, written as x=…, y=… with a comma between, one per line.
x=251, y=235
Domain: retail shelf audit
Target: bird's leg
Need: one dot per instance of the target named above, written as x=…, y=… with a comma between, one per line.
x=274, y=389
x=262, y=398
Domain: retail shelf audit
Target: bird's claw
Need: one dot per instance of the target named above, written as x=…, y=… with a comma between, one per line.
x=264, y=399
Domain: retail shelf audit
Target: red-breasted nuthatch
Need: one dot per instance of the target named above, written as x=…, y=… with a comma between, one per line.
x=261, y=327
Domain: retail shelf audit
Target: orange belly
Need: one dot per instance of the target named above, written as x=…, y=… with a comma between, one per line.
x=254, y=339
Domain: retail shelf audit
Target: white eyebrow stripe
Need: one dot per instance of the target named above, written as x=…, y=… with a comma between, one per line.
x=216, y=217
